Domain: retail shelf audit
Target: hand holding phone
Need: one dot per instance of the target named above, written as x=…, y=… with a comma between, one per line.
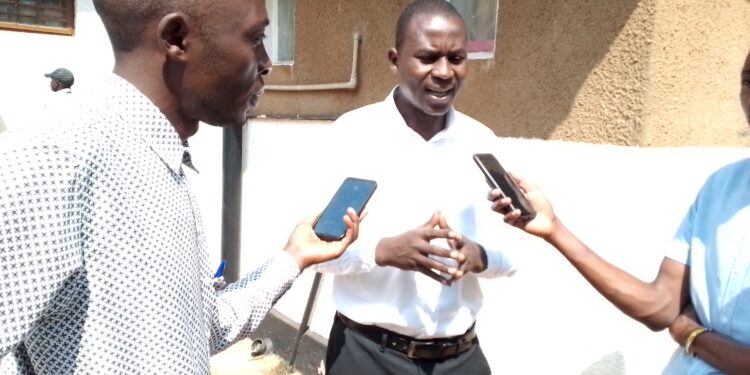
x=354, y=193
x=498, y=178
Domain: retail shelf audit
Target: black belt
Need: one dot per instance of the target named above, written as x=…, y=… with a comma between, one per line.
x=432, y=349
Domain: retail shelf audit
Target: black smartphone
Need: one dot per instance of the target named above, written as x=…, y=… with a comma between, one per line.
x=354, y=193
x=498, y=178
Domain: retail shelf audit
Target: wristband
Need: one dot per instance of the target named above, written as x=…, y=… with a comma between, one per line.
x=691, y=338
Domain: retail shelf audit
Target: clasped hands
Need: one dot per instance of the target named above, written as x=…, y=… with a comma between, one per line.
x=412, y=251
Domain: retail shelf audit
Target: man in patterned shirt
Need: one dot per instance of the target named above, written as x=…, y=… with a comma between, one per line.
x=103, y=260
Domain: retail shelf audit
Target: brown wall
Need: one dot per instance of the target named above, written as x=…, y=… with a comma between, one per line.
x=648, y=72
x=694, y=74
x=323, y=54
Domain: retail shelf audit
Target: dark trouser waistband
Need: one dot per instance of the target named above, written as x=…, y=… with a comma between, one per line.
x=424, y=349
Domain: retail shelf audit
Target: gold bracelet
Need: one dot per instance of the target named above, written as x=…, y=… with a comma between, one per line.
x=691, y=338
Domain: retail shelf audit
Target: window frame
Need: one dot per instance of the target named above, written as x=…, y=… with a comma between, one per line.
x=480, y=49
x=70, y=18
x=275, y=31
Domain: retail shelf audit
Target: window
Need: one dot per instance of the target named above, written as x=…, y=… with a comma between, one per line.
x=280, y=41
x=45, y=16
x=481, y=23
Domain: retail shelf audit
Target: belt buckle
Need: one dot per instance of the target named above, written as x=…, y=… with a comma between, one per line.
x=411, y=349
x=431, y=345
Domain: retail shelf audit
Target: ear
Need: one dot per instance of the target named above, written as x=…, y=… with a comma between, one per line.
x=172, y=32
x=393, y=58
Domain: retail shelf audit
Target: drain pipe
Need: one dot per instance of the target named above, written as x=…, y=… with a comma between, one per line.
x=231, y=208
x=349, y=85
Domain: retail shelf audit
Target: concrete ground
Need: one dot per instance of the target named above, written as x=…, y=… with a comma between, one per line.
x=281, y=333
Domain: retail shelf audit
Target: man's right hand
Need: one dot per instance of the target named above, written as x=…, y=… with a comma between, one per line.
x=545, y=221
x=411, y=251
x=307, y=249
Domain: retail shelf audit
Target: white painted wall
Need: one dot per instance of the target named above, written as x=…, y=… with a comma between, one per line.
x=27, y=56
x=624, y=202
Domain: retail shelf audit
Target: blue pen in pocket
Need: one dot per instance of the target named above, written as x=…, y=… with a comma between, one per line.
x=220, y=272
x=218, y=281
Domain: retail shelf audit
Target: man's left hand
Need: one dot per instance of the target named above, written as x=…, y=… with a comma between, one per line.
x=475, y=257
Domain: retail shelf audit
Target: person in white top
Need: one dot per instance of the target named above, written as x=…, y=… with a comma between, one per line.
x=407, y=293
x=702, y=289
x=61, y=107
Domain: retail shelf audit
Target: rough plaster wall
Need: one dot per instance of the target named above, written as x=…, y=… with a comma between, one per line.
x=693, y=94
x=323, y=55
x=567, y=70
x=629, y=72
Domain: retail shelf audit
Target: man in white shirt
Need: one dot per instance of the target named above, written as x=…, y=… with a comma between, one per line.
x=407, y=294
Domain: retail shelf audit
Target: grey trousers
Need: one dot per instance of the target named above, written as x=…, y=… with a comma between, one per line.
x=351, y=353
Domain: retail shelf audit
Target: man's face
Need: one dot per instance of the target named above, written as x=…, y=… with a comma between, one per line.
x=431, y=62
x=224, y=79
x=745, y=90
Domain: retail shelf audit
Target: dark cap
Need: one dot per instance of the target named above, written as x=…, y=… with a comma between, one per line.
x=63, y=75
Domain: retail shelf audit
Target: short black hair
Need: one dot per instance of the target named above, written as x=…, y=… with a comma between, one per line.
x=126, y=20
x=420, y=7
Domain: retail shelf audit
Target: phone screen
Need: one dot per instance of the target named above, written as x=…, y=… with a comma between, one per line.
x=498, y=178
x=354, y=193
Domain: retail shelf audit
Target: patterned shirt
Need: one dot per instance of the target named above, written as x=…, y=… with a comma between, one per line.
x=103, y=261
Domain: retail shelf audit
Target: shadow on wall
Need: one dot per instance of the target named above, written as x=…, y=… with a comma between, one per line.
x=2, y=124
x=546, y=51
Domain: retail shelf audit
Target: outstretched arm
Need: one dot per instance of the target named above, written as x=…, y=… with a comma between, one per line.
x=655, y=304
x=242, y=305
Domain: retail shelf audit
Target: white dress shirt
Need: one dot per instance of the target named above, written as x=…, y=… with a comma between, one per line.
x=103, y=260
x=415, y=178
x=714, y=240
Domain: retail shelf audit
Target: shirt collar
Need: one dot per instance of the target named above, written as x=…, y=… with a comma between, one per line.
x=390, y=102
x=147, y=122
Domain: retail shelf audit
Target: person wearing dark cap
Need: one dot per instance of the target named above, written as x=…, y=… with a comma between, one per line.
x=61, y=106
x=60, y=80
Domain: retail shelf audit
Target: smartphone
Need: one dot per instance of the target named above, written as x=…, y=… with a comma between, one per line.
x=354, y=193
x=498, y=178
